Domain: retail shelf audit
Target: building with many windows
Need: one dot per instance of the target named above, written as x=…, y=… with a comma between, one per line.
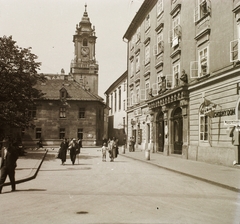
x=71, y=107
x=116, y=96
x=183, y=79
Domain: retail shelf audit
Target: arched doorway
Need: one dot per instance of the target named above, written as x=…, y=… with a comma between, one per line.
x=177, y=131
x=160, y=131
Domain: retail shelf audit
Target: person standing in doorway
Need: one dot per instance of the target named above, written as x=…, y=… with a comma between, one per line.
x=8, y=164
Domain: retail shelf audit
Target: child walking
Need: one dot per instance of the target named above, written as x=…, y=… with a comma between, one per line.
x=104, y=152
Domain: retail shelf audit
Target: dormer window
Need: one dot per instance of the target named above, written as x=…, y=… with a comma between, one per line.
x=63, y=94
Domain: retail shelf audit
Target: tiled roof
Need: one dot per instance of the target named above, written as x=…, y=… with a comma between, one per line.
x=51, y=88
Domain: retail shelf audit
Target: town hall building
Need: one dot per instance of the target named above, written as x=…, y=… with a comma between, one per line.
x=71, y=107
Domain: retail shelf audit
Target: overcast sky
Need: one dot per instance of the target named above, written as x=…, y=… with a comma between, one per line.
x=48, y=27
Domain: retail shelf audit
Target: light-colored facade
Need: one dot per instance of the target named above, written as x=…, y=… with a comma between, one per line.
x=183, y=78
x=116, y=98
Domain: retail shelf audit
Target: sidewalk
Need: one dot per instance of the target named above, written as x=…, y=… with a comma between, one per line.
x=226, y=177
x=222, y=176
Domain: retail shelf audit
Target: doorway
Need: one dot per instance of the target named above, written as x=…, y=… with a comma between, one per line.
x=177, y=131
x=160, y=132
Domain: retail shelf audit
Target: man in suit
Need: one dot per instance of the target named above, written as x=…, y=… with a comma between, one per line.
x=8, y=164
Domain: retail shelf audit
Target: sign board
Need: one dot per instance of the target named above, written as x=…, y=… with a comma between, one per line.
x=232, y=122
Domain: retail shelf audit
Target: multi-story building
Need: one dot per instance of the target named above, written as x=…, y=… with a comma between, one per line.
x=116, y=98
x=71, y=107
x=183, y=79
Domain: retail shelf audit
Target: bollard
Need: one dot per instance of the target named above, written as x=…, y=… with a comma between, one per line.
x=147, y=154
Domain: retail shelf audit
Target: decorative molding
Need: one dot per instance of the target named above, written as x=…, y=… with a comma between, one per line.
x=176, y=10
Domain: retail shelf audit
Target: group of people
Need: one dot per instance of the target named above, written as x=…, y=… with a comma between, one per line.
x=110, y=146
x=74, y=146
x=9, y=154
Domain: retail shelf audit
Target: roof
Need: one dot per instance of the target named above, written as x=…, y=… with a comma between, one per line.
x=51, y=88
x=117, y=82
x=139, y=17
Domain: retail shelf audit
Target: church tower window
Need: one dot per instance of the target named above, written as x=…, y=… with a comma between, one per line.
x=85, y=42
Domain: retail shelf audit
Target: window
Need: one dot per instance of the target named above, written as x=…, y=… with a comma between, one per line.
x=201, y=67
x=203, y=61
x=137, y=63
x=32, y=112
x=124, y=104
x=204, y=127
x=81, y=112
x=38, y=133
x=62, y=112
x=111, y=103
x=61, y=133
x=176, y=31
x=124, y=122
x=147, y=23
x=138, y=35
x=85, y=42
x=159, y=43
x=137, y=95
x=159, y=7
x=147, y=89
x=235, y=46
x=115, y=100
x=176, y=73
x=169, y=81
x=131, y=68
x=124, y=86
x=202, y=10
x=80, y=133
x=119, y=98
x=147, y=54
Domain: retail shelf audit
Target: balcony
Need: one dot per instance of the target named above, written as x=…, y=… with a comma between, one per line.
x=168, y=97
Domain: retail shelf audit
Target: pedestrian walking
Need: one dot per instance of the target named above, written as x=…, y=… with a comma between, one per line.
x=104, y=152
x=130, y=145
x=73, y=150
x=133, y=144
x=8, y=164
x=63, y=151
x=114, y=149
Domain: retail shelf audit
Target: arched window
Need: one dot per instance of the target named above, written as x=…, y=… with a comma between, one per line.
x=85, y=42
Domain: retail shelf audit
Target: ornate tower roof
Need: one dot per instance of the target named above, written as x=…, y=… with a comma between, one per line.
x=84, y=25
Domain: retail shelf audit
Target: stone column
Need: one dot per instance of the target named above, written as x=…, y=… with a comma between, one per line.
x=166, y=131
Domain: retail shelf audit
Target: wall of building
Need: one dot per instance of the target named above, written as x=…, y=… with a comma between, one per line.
x=48, y=120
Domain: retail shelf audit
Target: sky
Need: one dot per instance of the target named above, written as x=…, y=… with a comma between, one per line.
x=48, y=26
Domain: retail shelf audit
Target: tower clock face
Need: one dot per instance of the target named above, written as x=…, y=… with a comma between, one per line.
x=85, y=51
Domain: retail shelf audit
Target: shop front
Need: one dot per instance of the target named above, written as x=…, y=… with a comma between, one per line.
x=170, y=122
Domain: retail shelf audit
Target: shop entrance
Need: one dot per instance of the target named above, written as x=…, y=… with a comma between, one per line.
x=177, y=131
x=160, y=132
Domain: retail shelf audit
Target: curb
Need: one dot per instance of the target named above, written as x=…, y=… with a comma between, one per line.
x=31, y=177
x=188, y=175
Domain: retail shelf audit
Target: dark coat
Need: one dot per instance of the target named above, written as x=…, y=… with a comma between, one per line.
x=11, y=157
x=63, y=151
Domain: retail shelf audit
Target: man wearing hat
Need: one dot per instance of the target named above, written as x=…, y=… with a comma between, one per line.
x=8, y=164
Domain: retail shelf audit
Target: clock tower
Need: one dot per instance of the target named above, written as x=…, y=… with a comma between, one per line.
x=84, y=66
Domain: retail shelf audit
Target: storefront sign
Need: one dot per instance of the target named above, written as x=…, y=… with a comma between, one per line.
x=232, y=122
x=221, y=113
